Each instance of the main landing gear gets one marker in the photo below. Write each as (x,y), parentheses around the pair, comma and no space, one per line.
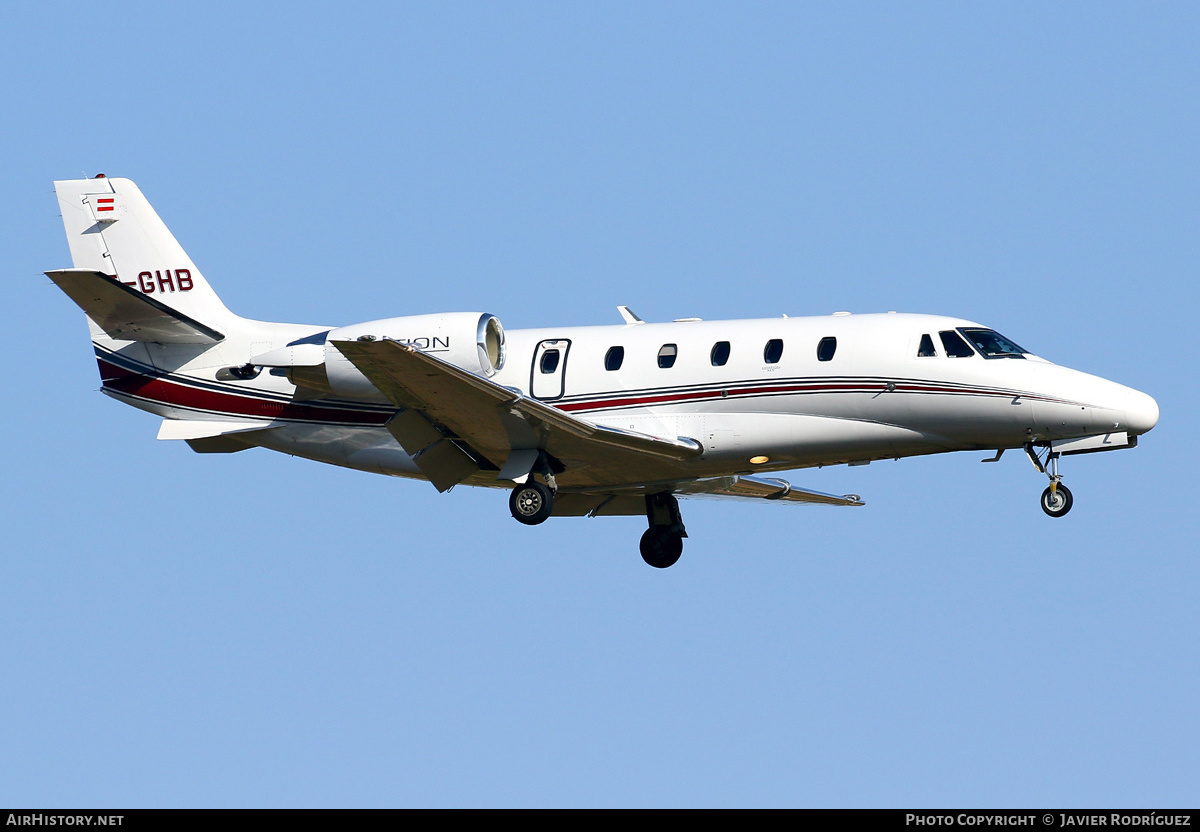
(662,543)
(532,502)
(1056,499)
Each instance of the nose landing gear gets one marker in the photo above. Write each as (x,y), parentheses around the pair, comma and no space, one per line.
(1056,499)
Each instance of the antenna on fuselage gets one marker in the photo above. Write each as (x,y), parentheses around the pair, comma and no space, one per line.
(628,315)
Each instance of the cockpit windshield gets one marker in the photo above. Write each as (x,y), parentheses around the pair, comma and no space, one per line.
(992,344)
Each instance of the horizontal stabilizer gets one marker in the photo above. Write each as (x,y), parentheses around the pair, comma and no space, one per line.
(126,314)
(213,437)
(199,429)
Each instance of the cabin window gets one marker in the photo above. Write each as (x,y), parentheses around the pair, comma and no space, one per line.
(926,349)
(720,353)
(549,362)
(613,358)
(666,355)
(992,344)
(826,349)
(954,345)
(773,351)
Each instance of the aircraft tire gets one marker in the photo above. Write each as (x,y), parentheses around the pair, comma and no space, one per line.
(1058,503)
(660,549)
(531,503)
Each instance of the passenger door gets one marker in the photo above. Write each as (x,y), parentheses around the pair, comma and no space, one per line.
(548,374)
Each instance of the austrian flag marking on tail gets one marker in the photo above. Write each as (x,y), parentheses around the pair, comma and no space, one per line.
(104,208)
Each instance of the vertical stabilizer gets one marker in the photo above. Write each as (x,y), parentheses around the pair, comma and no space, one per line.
(111,228)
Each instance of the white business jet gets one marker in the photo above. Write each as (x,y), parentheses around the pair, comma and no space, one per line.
(598,420)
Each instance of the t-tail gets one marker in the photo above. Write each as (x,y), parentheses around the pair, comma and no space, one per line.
(163,340)
(130,275)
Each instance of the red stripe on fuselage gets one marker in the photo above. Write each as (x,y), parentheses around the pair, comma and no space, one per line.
(668,398)
(849,387)
(164,391)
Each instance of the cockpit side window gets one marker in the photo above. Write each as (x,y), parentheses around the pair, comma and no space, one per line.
(926,349)
(992,344)
(954,345)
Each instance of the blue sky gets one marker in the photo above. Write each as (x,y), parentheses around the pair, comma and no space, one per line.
(257,630)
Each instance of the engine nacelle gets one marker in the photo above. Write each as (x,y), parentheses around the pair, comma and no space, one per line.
(473,341)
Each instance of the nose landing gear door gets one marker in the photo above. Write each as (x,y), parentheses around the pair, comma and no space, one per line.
(549,368)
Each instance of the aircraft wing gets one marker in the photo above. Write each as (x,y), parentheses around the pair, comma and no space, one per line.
(126,314)
(631,501)
(457,424)
(763,488)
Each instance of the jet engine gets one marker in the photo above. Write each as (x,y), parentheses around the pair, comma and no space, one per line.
(473,341)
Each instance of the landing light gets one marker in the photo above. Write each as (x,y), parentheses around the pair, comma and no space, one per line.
(759,460)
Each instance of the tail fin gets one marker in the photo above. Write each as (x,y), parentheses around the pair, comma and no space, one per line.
(111,228)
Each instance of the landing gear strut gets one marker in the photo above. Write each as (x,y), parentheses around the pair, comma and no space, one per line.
(662,543)
(1056,499)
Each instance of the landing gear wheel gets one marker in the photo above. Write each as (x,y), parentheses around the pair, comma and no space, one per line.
(1058,502)
(660,548)
(531,503)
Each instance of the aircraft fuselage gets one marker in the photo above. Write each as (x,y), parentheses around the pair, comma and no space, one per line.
(875,397)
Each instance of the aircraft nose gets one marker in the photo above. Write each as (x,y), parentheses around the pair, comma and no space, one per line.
(1141,412)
